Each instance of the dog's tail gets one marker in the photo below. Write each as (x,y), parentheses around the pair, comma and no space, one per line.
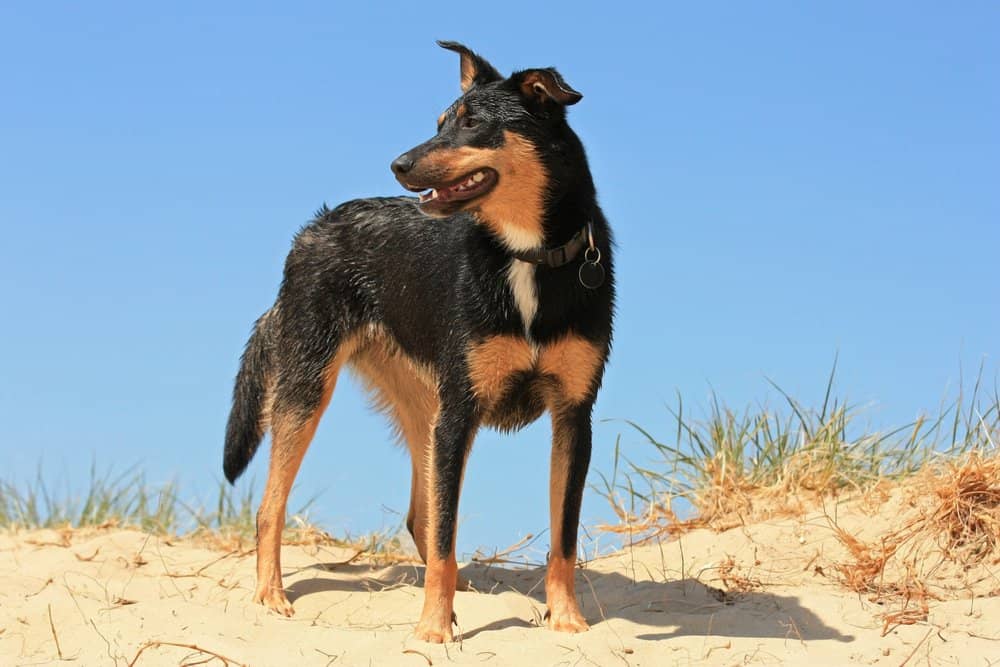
(247,420)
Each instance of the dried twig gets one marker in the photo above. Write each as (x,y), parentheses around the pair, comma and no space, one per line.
(47,582)
(87,559)
(52,626)
(422,655)
(193,647)
(917,647)
(500,556)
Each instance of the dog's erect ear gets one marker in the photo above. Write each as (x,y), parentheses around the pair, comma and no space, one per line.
(475,70)
(544,86)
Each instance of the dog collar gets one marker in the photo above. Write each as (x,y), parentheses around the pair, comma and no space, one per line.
(562,255)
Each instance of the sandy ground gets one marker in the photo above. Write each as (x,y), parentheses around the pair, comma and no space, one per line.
(761,594)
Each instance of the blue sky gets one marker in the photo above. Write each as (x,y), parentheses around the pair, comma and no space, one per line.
(785,181)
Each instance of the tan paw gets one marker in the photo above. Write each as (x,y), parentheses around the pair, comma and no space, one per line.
(569,620)
(435,633)
(434,630)
(274,599)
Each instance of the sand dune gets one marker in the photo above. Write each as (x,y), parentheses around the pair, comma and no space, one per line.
(760,594)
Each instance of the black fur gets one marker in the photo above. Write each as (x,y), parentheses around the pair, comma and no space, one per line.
(245,429)
(437,285)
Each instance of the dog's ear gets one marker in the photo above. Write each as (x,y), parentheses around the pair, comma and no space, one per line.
(545,86)
(475,70)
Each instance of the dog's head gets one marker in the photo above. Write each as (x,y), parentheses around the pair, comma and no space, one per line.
(495,150)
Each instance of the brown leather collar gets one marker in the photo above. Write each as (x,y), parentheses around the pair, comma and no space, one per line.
(555,257)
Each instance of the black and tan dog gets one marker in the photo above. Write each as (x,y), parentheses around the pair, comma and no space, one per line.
(485,301)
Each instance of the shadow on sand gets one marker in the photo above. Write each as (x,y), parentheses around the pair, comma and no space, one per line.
(669,609)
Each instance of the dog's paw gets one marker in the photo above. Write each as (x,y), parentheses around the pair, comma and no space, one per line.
(275,600)
(566,620)
(435,630)
(434,633)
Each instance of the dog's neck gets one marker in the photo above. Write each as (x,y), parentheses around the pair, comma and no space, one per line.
(566,216)
(573,203)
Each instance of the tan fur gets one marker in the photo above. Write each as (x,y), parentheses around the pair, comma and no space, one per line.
(439,598)
(560,590)
(441,575)
(492,362)
(513,209)
(450,164)
(560,596)
(290,438)
(407,393)
(402,388)
(468,73)
(574,361)
(519,197)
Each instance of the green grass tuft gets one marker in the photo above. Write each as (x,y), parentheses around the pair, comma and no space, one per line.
(126,499)
(734,465)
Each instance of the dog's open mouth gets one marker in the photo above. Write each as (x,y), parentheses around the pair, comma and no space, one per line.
(468,187)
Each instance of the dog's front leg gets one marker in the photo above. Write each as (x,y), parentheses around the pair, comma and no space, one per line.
(571,442)
(445,461)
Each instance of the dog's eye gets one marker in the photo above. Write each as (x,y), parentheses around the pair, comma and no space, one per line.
(469,122)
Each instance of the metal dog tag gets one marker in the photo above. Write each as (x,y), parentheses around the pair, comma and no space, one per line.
(591,274)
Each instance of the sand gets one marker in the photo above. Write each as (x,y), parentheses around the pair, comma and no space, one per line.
(757,594)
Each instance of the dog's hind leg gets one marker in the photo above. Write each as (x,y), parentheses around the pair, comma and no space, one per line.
(301,393)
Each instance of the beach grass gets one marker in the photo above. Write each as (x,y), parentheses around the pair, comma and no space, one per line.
(733,465)
(725,469)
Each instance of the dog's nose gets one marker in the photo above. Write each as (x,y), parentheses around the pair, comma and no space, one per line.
(402,164)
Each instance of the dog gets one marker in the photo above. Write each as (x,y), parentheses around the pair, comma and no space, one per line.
(484,301)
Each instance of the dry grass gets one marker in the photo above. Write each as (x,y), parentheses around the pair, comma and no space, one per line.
(946,541)
(931,488)
(965,508)
(737,467)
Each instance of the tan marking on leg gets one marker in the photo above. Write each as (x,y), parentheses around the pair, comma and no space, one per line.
(405,391)
(416,516)
(441,576)
(575,362)
(439,598)
(493,361)
(290,438)
(560,592)
(399,386)
(560,596)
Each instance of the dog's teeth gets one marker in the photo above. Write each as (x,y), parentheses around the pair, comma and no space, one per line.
(478,176)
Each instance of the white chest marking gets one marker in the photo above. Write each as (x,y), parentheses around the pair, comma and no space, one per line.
(521,278)
(517,238)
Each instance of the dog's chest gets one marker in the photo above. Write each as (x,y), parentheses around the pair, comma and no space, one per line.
(524,289)
(514,378)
